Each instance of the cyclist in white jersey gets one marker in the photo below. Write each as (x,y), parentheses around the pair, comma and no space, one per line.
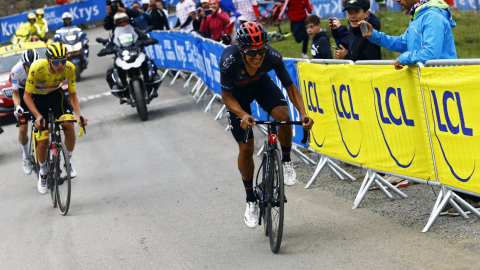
(19,76)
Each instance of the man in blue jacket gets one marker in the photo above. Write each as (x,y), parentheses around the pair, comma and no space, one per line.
(429,34)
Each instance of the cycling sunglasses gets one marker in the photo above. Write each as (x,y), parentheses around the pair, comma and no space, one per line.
(253,52)
(122,22)
(56,62)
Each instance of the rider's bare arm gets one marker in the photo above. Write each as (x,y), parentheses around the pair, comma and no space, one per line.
(296,98)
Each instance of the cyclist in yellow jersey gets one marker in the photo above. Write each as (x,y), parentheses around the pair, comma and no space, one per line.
(43,91)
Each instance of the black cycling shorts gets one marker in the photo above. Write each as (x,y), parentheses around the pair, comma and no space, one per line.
(55,100)
(268,96)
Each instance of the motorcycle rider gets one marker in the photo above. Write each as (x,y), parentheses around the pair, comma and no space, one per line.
(35,29)
(122,22)
(67,24)
(67,19)
(41,21)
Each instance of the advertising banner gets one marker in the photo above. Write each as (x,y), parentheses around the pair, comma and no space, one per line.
(369,116)
(328,8)
(82,12)
(451,97)
(174,50)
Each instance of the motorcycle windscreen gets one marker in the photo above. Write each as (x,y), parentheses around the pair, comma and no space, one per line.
(125,36)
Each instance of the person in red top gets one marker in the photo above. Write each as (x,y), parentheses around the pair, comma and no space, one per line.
(215,23)
(62,2)
(297,15)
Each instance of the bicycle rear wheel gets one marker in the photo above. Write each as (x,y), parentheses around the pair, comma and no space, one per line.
(62,179)
(276,200)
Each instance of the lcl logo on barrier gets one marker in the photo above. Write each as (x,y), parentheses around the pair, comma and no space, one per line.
(453,129)
(397,92)
(308,96)
(346,114)
(343,113)
(391,118)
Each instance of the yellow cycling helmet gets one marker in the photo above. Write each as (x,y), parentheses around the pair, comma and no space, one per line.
(40,11)
(31,16)
(56,51)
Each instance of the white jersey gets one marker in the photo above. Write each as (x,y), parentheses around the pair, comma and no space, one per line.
(19,76)
(245,7)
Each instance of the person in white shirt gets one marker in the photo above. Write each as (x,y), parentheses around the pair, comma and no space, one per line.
(185,12)
(248,9)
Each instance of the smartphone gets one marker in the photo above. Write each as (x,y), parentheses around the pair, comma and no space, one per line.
(207,11)
(335,48)
(364,28)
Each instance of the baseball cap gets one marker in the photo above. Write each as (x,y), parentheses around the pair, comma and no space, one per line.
(357,4)
(203,1)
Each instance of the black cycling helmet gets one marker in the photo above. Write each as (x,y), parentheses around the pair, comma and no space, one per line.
(29,56)
(251,34)
(56,51)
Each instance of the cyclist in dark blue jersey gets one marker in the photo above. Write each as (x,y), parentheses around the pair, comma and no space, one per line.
(244,67)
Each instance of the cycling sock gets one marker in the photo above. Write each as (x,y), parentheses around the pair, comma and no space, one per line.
(286,153)
(25,150)
(43,168)
(249,190)
(69,153)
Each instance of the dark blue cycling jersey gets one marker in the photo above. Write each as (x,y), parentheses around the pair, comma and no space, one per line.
(234,74)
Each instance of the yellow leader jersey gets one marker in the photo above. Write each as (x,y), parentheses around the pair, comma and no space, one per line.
(41,82)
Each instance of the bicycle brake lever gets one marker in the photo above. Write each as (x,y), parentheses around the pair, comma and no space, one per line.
(245,138)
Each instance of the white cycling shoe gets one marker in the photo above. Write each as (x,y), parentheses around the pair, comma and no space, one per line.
(289,174)
(73,173)
(27,166)
(42,183)
(251,214)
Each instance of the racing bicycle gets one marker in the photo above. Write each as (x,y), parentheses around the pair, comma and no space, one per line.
(32,143)
(58,166)
(270,190)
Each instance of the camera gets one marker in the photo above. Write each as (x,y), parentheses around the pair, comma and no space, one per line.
(113,6)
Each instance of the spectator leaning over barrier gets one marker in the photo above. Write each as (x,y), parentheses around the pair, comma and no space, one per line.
(341,33)
(113,7)
(185,12)
(143,20)
(215,23)
(159,18)
(248,9)
(360,48)
(320,40)
(297,15)
(428,36)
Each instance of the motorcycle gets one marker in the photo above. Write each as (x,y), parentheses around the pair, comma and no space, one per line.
(129,57)
(76,43)
(23,34)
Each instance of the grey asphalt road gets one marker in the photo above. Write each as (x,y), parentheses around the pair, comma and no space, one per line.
(166,194)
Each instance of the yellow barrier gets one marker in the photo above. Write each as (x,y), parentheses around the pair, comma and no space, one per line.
(369,115)
(452,98)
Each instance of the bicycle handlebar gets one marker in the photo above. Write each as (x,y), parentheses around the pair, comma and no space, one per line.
(19,118)
(306,132)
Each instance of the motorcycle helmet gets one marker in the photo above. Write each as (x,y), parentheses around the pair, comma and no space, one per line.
(56,51)
(31,17)
(145,2)
(40,12)
(67,15)
(251,34)
(119,16)
(29,56)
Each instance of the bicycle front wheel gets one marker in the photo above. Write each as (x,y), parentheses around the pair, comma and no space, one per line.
(51,181)
(62,179)
(276,200)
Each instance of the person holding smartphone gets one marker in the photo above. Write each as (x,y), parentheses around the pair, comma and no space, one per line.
(358,47)
(215,23)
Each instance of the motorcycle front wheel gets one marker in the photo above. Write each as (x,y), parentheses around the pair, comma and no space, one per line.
(140,100)
(78,71)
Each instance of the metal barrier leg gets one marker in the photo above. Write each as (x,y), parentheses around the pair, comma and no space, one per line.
(187,83)
(321,164)
(165,73)
(260,151)
(198,91)
(200,97)
(302,156)
(175,78)
(345,173)
(195,86)
(363,190)
(436,211)
(183,74)
(390,186)
(335,171)
(220,113)
(210,104)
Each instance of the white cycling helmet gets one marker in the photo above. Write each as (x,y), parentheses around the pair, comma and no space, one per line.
(67,15)
(145,2)
(29,56)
